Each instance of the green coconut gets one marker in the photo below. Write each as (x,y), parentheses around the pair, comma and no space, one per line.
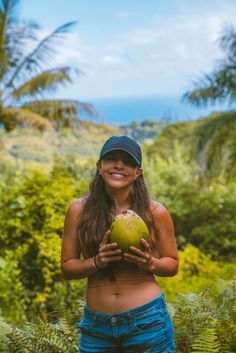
(127,229)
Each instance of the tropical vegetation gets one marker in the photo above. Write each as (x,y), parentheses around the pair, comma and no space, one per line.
(203,322)
(216,136)
(188,166)
(219,85)
(27,80)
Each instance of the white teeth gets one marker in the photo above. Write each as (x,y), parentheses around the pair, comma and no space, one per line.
(118,175)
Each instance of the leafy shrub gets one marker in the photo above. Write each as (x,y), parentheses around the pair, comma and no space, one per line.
(203,214)
(203,322)
(31,227)
(197,272)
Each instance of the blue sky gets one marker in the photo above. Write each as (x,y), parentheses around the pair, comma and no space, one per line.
(134,47)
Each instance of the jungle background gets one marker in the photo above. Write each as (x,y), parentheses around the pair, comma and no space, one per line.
(47,159)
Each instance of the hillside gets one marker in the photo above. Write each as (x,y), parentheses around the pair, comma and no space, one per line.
(34,149)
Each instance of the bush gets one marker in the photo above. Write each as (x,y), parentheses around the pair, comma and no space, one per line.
(31,228)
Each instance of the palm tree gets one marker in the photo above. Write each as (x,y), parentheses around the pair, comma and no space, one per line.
(24,78)
(220,85)
(216,137)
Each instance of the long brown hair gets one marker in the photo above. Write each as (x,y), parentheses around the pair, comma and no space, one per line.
(99,211)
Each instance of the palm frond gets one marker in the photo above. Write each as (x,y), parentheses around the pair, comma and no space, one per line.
(10,117)
(219,85)
(20,38)
(87,108)
(46,81)
(228,41)
(8,10)
(215,147)
(62,112)
(42,53)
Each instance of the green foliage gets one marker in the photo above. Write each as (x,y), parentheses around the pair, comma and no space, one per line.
(205,322)
(40,336)
(197,271)
(207,340)
(203,213)
(33,206)
(216,148)
(25,78)
(47,149)
(144,130)
(208,141)
(220,84)
(31,221)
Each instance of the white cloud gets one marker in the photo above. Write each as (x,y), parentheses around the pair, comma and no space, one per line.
(163,55)
(111,60)
(142,36)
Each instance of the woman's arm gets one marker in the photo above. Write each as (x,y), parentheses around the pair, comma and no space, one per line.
(166,265)
(72,267)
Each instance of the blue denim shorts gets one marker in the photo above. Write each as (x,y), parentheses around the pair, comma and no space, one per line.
(145,329)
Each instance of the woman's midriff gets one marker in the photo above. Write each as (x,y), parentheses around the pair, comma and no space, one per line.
(131,288)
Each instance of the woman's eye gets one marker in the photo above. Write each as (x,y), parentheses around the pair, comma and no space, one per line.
(129,162)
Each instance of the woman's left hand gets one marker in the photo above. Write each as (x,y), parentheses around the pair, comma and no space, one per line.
(142,258)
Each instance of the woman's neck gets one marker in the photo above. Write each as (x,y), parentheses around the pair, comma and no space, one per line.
(121,197)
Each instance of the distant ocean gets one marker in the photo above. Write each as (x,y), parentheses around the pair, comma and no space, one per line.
(122,111)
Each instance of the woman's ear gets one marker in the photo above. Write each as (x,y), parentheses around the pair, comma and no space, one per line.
(139,172)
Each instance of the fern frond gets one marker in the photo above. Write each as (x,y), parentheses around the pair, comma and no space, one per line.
(207,341)
(49,337)
(19,341)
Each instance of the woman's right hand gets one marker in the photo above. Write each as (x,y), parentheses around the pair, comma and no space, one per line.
(107,252)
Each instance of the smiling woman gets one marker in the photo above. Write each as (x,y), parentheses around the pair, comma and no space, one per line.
(119,170)
(125,306)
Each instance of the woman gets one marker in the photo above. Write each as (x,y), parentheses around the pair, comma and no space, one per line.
(125,309)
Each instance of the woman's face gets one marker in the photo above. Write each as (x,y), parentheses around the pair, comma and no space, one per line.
(118,169)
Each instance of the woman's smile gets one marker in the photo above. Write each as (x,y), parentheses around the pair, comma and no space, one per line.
(118,175)
(118,170)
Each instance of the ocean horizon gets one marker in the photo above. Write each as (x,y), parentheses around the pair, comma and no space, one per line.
(123,110)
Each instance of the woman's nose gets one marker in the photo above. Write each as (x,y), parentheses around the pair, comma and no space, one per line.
(119,163)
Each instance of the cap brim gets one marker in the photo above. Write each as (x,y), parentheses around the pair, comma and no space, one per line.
(122,149)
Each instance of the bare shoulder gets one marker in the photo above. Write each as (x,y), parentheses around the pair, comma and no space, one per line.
(70,245)
(158,210)
(76,206)
(75,209)
(163,224)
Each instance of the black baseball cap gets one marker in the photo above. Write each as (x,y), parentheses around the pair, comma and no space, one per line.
(123,143)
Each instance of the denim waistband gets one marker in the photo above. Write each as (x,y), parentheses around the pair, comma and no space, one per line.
(141,311)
